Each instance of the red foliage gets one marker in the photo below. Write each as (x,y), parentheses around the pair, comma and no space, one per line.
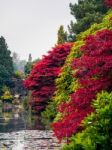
(108,3)
(41,81)
(94,73)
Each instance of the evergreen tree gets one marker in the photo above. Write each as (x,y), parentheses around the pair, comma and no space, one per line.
(62,35)
(6,64)
(30,58)
(28,68)
(86,12)
(16,60)
(29,65)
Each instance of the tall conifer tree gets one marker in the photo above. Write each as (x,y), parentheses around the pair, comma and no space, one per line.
(85,13)
(6,63)
(62,35)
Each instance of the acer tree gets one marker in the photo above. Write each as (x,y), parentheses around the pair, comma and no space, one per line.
(108,3)
(93,73)
(41,80)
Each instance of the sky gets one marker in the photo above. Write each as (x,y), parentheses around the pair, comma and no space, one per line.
(30,26)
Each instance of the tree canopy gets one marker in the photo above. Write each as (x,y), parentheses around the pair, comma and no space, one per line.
(6,63)
(86,12)
(62,35)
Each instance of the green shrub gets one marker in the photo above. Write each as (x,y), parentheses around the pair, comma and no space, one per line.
(49,114)
(7,96)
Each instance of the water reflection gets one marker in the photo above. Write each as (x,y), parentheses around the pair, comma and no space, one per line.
(29,140)
(19,145)
(20,130)
(14,118)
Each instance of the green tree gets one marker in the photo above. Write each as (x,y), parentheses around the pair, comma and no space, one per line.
(6,64)
(16,60)
(30,58)
(28,68)
(17,63)
(29,65)
(85,12)
(62,35)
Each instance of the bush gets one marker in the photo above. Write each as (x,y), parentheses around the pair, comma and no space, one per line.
(97,133)
(93,73)
(7,96)
(66,84)
(41,80)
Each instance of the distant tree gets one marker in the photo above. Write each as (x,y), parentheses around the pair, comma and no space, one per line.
(86,12)
(15,58)
(21,65)
(29,65)
(18,87)
(17,63)
(28,68)
(62,35)
(6,64)
(30,58)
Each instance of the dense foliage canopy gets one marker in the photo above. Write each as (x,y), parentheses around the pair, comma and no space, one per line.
(85,13)
(97,134)
(108,3)
(41,80)
(73,83)
(6,64)
(92,70)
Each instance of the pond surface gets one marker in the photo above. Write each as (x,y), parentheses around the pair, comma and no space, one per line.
(19,132)
(28,140)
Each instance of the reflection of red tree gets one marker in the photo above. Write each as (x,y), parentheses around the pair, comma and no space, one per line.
(93,70)
(41,81)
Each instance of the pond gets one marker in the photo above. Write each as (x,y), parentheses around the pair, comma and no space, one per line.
(19,132)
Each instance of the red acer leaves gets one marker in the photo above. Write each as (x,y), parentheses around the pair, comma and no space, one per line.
(70,123)
(93,70)
(41,80)
(108,3)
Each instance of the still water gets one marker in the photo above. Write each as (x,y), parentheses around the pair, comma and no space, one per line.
(19,132)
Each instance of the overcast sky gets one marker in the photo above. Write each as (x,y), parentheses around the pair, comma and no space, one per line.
(30,26)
